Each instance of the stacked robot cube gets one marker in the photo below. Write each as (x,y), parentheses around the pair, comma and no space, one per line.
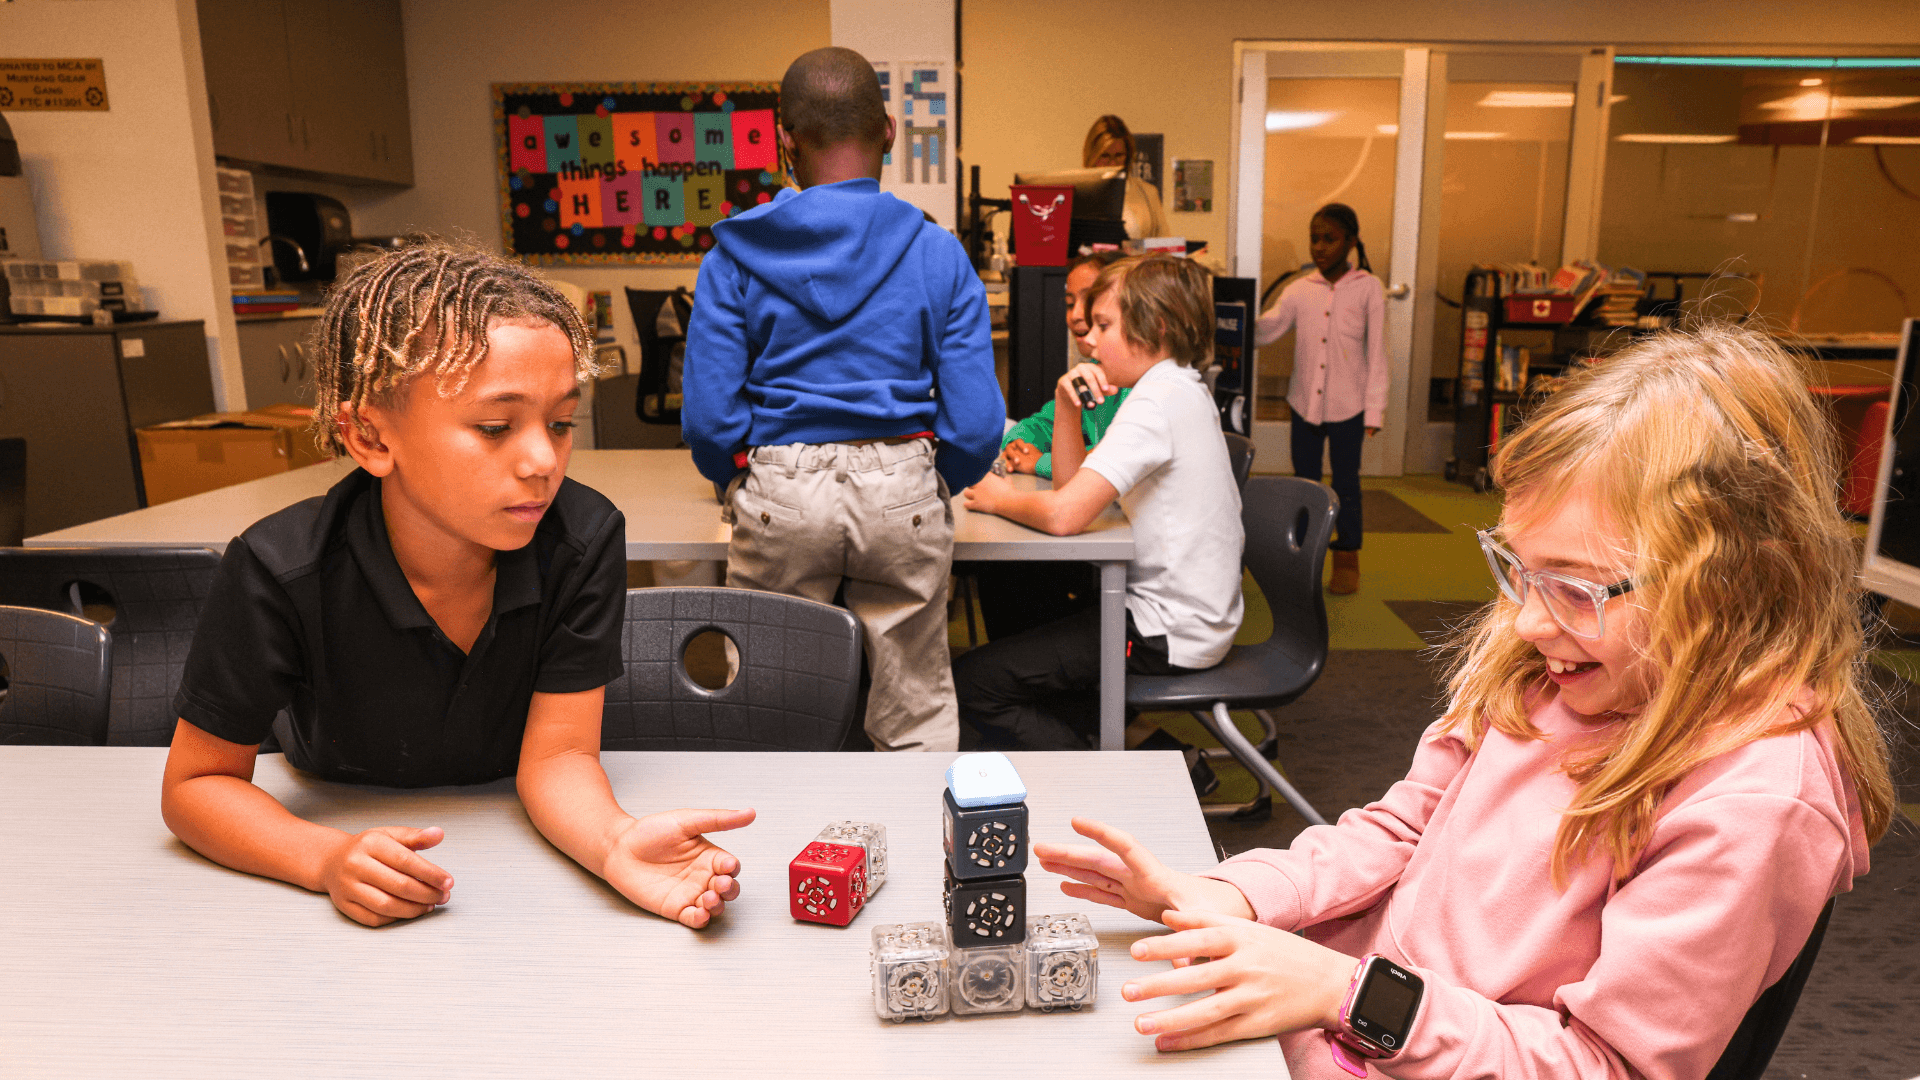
(990,956)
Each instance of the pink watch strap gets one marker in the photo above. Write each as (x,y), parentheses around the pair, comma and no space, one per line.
(1346,1058)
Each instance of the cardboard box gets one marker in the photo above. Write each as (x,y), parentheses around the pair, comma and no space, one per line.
(187,457)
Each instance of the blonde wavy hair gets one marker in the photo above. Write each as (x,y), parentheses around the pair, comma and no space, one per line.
(1711,460)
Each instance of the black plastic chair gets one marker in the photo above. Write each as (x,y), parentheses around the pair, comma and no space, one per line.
(13,492)
(1754,1042)
(149,599)
(796,688)
(56,686)
(1240,456)
(1288,522)
(656,349)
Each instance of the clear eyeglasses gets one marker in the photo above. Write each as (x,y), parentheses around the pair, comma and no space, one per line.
(1578,605)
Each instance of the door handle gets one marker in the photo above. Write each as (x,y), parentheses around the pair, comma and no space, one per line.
(1400,291)
(286,365)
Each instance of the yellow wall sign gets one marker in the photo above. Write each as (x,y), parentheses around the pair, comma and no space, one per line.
(47,85)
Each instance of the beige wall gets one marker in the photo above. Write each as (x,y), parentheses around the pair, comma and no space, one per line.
(134,182)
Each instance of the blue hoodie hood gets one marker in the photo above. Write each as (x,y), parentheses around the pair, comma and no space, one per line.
(826,249)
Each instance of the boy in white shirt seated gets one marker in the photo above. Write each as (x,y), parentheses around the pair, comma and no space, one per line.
(1166,461)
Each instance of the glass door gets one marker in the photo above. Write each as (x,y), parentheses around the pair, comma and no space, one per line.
(1449,157)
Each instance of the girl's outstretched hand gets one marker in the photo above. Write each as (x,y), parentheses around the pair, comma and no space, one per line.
(664,863)
(1265,981)
(1121,873)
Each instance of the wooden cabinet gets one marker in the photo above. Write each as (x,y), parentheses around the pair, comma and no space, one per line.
(311,86)
(277,361)
(76,394)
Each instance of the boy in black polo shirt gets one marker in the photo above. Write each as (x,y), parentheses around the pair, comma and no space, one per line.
(447,614)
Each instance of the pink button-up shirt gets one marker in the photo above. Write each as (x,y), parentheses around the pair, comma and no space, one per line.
(1340,354)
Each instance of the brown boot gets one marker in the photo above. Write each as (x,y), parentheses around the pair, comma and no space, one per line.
(1346,573)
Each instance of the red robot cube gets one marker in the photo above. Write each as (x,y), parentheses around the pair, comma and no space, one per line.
(827,883)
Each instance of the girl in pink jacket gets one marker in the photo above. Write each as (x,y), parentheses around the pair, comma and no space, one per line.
(1655,768)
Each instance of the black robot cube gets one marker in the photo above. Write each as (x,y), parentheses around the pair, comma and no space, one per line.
(985,841)
(986,911)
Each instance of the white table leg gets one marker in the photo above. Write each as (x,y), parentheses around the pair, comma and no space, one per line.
(1113,655)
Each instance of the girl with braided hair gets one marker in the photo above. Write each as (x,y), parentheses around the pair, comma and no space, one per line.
(449,613)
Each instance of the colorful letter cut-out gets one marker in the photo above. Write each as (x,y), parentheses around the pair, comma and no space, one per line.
(596,140)
(713,139)
(705,194)
(676,136)
(664,201)
(622,200)
(754,146)
(579,203)
(527,140)
(563,142)
(635,140)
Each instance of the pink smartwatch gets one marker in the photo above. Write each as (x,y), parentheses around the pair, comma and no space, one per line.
(1377,1013)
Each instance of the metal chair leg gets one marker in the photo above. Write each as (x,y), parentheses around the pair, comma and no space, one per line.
(1222,727)
(1269,745)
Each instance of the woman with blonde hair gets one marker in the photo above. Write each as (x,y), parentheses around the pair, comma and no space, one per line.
(1656,766)
(1110,145)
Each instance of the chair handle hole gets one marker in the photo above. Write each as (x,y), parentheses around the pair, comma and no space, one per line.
(90,601)
(1297,536)
(711,659)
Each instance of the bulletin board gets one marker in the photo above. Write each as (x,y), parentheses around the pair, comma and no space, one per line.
(630,172)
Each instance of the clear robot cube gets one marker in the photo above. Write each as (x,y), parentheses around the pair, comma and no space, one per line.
(987,980)
(866,836)
(1062,962)
(910,971)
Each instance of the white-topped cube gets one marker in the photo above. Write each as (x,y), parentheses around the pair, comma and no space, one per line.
(985,780)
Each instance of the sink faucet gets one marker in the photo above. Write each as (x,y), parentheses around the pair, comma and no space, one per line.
(299,252)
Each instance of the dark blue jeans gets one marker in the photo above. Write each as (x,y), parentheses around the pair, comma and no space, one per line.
(1343,439)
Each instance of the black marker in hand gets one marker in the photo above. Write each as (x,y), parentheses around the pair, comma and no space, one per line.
(1086,395)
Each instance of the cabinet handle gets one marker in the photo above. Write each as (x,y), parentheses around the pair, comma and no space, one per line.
(301,352)
(285,364)
(289,117)
(384,154)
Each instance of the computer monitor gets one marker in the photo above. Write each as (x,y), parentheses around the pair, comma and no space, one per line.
(1893,538)
(1098,194)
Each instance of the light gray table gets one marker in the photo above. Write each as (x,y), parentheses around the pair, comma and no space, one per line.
(671,514)
(125,953)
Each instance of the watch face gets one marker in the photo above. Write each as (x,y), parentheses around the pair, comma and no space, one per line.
(1385,1007)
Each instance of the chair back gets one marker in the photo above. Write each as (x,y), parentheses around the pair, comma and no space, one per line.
(13,492)
(55,679)
(796,689)
(1754,1042)
(149,599)
(1289,522)
(1240,456)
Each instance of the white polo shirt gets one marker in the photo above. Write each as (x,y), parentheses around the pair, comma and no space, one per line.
(1166,456)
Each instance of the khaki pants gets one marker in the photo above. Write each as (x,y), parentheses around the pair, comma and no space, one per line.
(805,518)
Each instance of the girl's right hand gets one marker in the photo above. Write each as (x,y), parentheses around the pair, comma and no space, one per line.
(1068,395)
(1121,873)
(378,877)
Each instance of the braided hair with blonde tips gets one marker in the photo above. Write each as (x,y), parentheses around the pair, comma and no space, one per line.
(424,310)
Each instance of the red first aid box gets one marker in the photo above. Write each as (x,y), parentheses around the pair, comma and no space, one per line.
(1540,308)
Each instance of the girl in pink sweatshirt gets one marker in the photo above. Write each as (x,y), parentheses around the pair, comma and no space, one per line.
(1655,768)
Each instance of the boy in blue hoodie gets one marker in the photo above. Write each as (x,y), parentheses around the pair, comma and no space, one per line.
(839,381)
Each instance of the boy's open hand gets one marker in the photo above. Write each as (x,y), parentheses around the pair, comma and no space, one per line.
(1095,378)
(1121,873)
(1021,456)
(376,877)
(1264,981)
(663,863)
